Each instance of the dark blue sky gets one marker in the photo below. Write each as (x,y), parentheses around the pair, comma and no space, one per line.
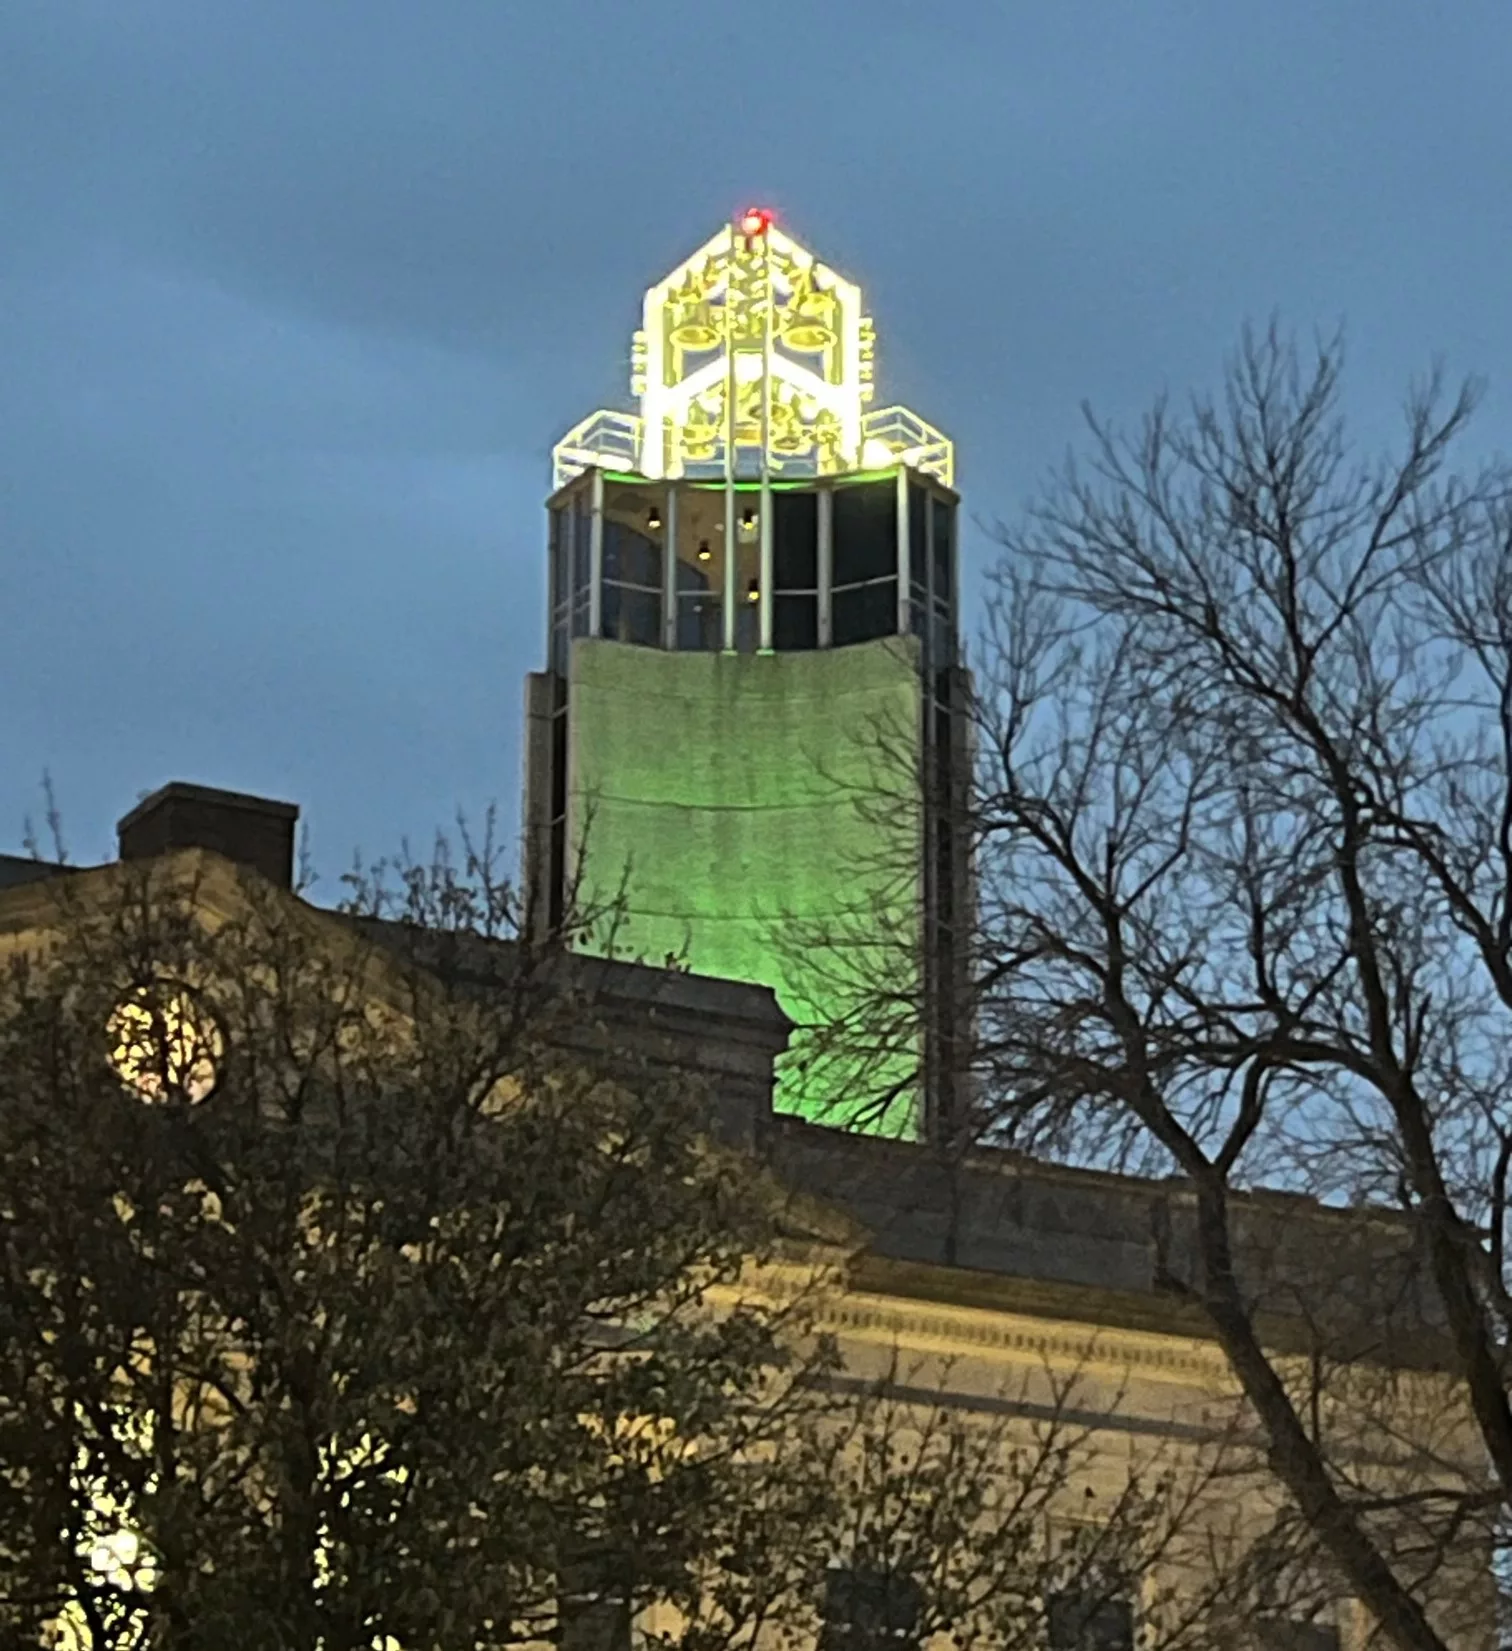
(295,296)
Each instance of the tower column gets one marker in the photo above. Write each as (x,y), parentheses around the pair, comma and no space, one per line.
(764,594)
(732,395)
(825,510)
(905,574)
(764,597)
(596,558)
(731,564)
(669,570)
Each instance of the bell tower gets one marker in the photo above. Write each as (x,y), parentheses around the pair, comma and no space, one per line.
(749,735)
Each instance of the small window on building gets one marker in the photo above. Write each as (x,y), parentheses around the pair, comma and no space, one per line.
(866,1609)
(593,1607)
(561,560)
(795,622)
(864,612)
(1090,1618)
(631,604)
(598,1624)
(864,604)
(941,640)
(1296,1634)
(795,541)
(582,543)
(631,615)
(865,527)
(631,557)
(941,538)
(700,623)
(698,571)
(918,537)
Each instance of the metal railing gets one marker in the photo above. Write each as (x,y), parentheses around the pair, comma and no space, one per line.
(912,441)
(611,440)
(606,439)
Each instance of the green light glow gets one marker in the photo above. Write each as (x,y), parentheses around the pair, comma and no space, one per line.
(633,479)
(720,486)
(756,800)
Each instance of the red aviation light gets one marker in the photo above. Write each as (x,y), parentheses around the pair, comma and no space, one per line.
(755,221)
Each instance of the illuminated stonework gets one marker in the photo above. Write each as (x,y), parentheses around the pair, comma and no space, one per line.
(754,358)
(119,1568)
(162,1043)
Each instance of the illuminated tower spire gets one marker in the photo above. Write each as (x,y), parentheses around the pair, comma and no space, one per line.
(753,603)
(752,331)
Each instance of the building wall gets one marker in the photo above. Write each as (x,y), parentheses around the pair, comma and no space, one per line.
(1011,1288)
(750,804)
(1002,1281)
(1158,1409)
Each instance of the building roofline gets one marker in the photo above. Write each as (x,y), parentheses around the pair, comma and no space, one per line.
(184,791)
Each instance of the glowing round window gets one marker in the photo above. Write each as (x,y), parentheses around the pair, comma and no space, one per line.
(163,1044)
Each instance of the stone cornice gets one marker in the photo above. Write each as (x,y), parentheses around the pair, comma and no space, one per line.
(955,1330)
(851,1297)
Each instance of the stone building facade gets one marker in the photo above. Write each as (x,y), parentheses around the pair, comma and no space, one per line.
(1012,1287)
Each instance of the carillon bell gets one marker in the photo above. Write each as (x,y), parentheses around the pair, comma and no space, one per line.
(808,322)
(700,435)
(788,436)
(695,328)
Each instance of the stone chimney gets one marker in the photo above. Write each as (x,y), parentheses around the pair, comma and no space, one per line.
(253,831)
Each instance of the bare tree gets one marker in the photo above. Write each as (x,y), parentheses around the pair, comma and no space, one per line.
(353,1298)
(1243,845)
(335,1290)
(905,1518)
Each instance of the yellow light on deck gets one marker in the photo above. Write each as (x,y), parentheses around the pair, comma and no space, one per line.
(875,454)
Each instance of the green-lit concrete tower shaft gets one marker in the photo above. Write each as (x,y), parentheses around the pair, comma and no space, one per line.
(750,721)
